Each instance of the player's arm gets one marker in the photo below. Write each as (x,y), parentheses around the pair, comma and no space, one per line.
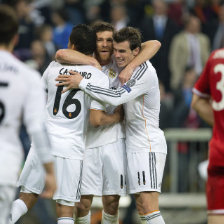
(42,145)
(148,50)
(101,118)
(203,107)
(134,88)
(34,119)
(68,56)
(50,180)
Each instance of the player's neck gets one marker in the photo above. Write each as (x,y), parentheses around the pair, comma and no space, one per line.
(8,47)
(102,62)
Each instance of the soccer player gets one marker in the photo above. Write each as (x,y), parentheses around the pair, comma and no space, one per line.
(208,101)
(145,143)
(17,104)
(67,119)
(102,176)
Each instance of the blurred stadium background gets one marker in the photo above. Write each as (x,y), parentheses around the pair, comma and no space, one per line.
(45,26)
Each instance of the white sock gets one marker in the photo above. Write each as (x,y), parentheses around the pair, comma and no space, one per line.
(84,219)
(65,220)
(19,208)
(109,219)
(152,218)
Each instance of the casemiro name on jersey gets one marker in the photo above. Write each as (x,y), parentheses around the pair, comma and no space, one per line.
(65,71)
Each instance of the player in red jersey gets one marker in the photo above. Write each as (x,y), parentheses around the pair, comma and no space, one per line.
(208,101)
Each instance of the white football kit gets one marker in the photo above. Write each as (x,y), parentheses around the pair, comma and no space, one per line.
(22,99)
(104,167)
(141,99)
(67,119)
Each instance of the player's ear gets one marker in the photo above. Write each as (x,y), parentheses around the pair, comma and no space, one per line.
(136,51)
(73,47)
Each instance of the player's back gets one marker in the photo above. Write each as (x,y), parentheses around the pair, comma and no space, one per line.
(68,113)
(16,80)
(18,86)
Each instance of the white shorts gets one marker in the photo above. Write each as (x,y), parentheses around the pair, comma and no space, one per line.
(7,195)
(104,170)
(68,174)
(145,171)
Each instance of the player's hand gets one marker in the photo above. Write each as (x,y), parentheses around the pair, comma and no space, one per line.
(50,181)
(125,74)
(70,81)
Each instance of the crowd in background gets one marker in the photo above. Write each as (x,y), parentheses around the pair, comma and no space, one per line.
(188,30)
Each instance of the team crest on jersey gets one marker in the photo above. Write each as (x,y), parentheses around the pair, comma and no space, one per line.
(112,73)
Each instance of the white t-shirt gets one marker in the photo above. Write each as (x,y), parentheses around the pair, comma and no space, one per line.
(68,113)
(22,98)
(141,97)
(104,135)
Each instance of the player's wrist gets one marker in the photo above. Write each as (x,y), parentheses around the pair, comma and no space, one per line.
(131,66)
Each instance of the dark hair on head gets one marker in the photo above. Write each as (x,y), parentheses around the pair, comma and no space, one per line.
(130,34)
(84,39)
(8,24)
(101,26)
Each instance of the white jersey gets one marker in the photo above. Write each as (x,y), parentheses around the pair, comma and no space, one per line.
(22,98)
(141,96)
(68,113)
(108,134)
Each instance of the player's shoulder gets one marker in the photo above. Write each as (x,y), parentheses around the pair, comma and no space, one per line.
(146,68)
(53,64)
(146,65)
(26,72)
(95,72)
(96,77)
(217,54)
(15,65)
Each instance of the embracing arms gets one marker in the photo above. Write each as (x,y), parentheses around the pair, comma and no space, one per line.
(101,118)
(148,50)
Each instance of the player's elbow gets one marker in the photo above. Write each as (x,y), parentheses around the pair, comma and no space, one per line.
(194,102)
(95,121)
(60,55)
(157,44)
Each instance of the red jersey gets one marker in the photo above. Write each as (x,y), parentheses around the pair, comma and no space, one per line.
(211,84)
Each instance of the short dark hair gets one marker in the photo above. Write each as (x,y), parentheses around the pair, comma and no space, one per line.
(8,24)
(101,26)
(84,39)
(130,34)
